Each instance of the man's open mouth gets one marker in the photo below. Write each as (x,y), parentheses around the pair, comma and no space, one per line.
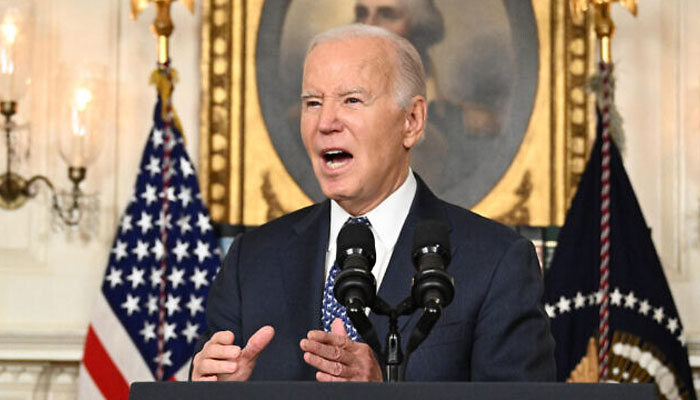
(336,158)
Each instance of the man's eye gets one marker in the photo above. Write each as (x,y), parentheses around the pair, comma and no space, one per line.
(313,103)
(352,100)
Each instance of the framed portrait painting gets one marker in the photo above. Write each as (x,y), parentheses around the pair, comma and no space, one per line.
(509,121)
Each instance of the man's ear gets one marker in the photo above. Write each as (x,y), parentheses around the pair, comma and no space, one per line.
(414,122)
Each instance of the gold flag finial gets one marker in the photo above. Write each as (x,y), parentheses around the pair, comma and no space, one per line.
(604,26)
(162,25)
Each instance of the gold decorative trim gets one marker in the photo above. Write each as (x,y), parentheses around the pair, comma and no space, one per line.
(274,207)
(519,214)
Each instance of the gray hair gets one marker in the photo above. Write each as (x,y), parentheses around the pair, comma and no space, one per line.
(409,80)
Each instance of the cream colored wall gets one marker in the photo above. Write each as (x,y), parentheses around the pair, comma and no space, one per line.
(48,281)
(657,58)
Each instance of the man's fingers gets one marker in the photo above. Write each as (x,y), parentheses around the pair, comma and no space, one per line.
(221,352)
(330,367)
(332,353)
(324,377)
(332,339)
(222,337)
(258,342)
(209,378)
(338,327)
(210,366)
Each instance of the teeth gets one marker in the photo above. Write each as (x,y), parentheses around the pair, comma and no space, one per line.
(333,152)
(335,164)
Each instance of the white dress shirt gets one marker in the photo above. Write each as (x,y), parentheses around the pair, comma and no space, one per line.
(386,221)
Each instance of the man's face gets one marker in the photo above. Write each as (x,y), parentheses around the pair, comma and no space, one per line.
(391,15)
(356,135)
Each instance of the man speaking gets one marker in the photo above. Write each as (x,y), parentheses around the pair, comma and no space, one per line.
(363,109)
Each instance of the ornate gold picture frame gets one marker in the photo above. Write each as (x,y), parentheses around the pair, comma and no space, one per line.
(243,175)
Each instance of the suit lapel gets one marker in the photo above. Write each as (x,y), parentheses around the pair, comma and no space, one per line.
(303,268)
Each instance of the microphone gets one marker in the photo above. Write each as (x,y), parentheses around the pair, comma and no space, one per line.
(355,286)
(432,286)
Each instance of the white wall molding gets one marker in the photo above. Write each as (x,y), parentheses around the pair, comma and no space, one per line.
(42,346)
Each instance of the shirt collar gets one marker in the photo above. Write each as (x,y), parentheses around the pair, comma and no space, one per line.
(386,219)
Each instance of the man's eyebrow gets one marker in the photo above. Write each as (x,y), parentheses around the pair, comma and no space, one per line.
(307,95)
(353,91)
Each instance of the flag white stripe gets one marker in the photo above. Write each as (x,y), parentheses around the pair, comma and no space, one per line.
(87,390)
(118,344)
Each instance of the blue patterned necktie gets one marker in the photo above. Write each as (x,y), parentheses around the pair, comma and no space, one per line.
(331,308)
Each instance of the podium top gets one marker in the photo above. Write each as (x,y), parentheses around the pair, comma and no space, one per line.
(389,391)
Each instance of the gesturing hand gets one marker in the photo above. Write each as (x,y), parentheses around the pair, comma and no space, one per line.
(337,358)
(220,360)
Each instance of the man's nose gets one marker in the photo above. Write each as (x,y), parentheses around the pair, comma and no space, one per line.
(329,121)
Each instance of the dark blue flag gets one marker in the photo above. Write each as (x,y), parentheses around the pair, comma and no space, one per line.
(150,311)
(646,334)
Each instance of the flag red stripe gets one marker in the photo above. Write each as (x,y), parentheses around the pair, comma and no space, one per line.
(102,369)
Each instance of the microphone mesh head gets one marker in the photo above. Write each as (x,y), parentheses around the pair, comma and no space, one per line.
(430,233)
(356,235)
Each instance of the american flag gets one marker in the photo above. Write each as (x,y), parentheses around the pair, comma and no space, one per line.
(150,311)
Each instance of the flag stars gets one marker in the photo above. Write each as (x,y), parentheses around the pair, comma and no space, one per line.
(156,276)
(644,307)
(164,359)
(131,305)
(180,250)
(148,332)
(114,278)
(158,249)
(659,314)
(184,224)
(157,138)
(630,300)
(169,331)
(190,332)
(125,226)
(152,304)
(176,277)
(199,278)
(136,277)
(185,196)
(186,167)
(140,250)
(150,194)
(172,304)
(564,305)
(681,338)
(169,194)
(153,166)
(202,251)
(145,222)
(119,250)
(203,222)
(551,310)
(616,297)
(579,301)
(672,325)
(195,305)
(168,218)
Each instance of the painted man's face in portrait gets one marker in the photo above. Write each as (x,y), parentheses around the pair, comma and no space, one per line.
(391,15)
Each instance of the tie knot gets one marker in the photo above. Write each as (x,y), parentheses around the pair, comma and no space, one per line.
(358,220)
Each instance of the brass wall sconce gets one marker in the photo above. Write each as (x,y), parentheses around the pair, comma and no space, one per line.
(78,140)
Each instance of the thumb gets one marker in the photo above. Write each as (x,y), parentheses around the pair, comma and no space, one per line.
(258,342)
(338,327)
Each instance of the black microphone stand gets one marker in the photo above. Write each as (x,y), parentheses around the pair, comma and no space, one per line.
(392,356)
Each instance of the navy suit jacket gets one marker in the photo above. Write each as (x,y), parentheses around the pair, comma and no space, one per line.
(494,330)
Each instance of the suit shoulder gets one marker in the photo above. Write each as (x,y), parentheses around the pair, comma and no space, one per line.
(478,229)
(282,226)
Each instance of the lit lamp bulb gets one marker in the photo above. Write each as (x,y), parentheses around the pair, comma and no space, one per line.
(80,141)
(13,66)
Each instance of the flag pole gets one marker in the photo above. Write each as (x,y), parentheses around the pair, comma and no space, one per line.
(605,29)
(162,26)
(164,78)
